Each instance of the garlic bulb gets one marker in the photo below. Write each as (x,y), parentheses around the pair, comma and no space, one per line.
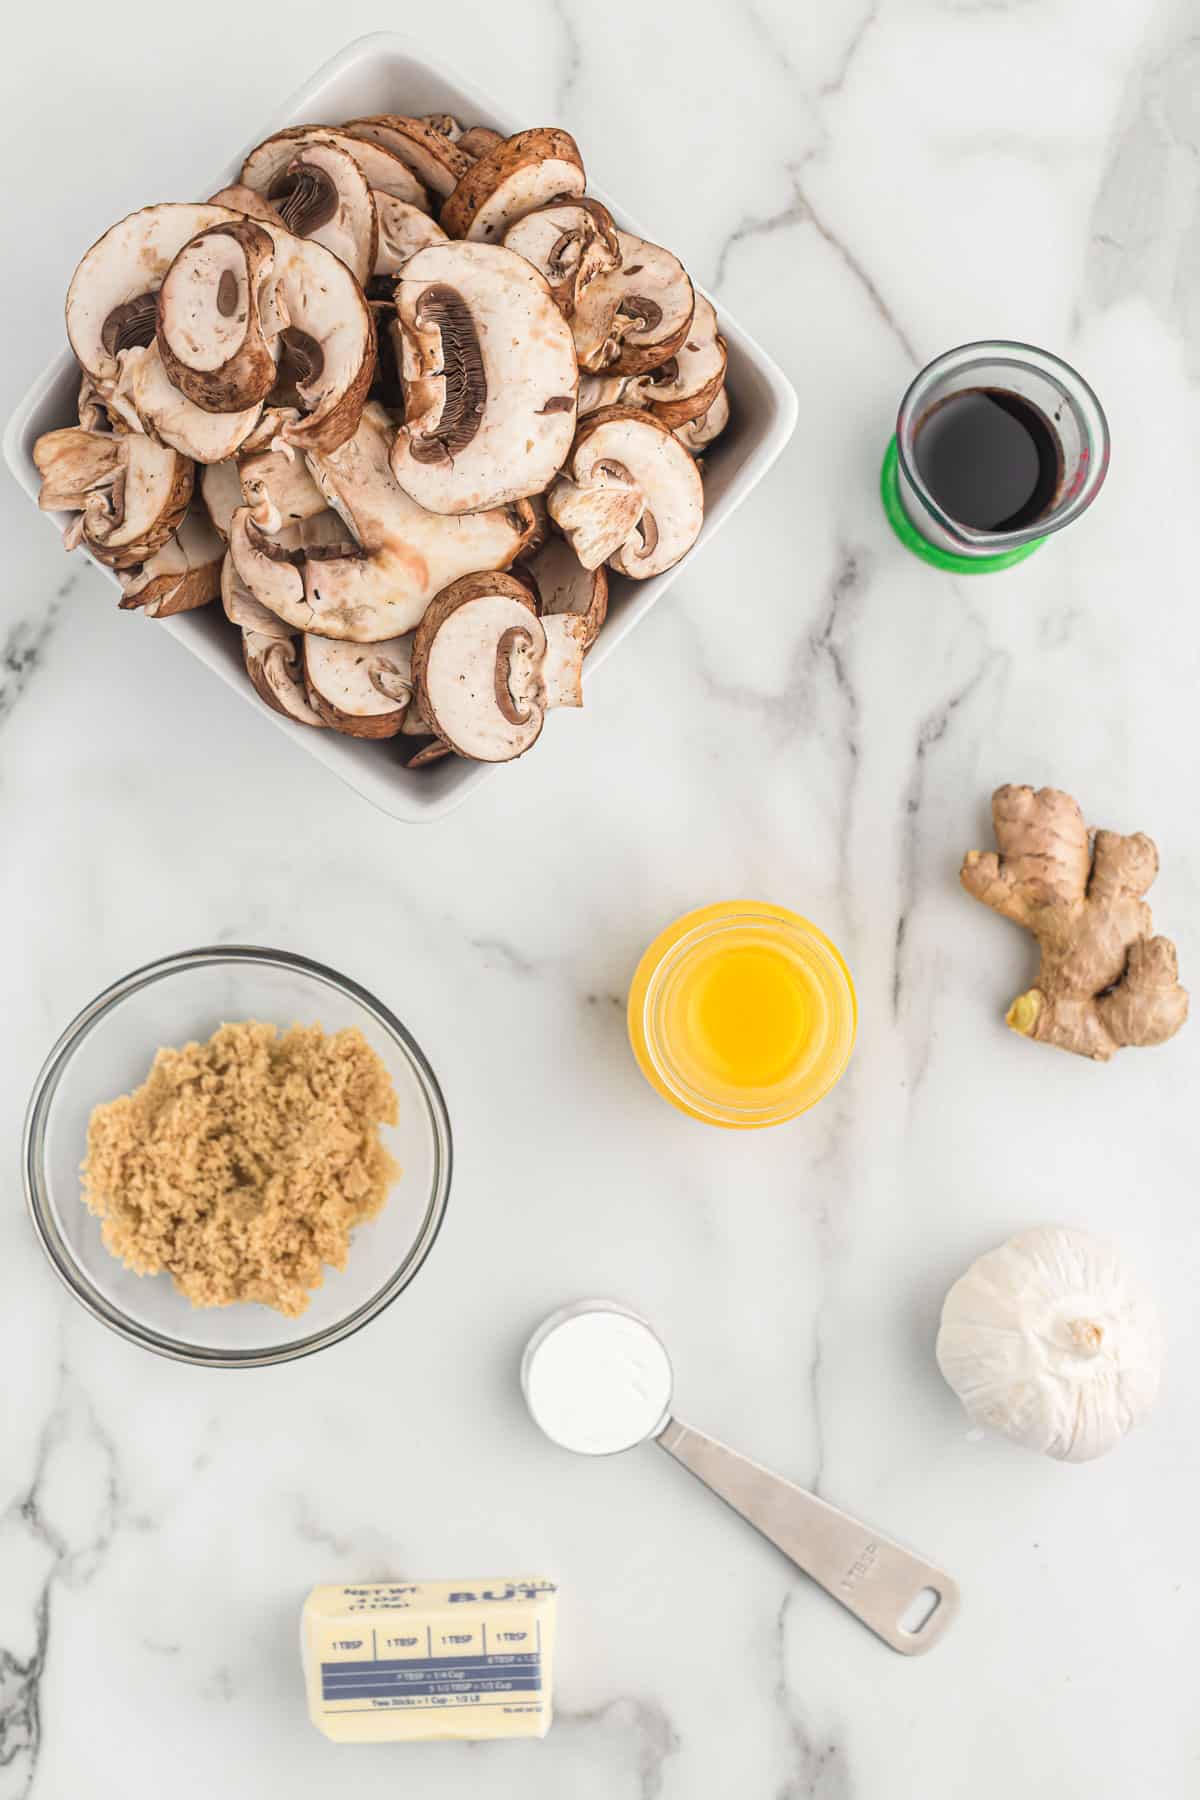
(1049,1340)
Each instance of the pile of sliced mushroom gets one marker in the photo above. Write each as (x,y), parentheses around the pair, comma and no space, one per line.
(401,396)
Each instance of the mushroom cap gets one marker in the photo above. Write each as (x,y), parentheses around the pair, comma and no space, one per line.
(698,433)
(430,153)
(245,200)
(362,690)
(489,376)
(385,173)
(617,452)
(322,195)
(183,574)
(146,398)
(568,244)
(210,337)
(488,668)
(513,178)
(132,493)
(562,585)
(221,492)
(685,386)
(109,301)
(329,339)
(403,230)
(633,318)
(379,586)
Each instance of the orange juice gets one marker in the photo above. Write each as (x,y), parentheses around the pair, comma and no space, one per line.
(742,1014)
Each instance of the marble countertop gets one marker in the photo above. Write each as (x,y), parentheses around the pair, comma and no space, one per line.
(810,715)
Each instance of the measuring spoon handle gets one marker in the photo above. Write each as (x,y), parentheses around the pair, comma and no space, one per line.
(872,1577)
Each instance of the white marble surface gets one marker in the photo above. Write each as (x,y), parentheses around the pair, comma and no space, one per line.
(810,716)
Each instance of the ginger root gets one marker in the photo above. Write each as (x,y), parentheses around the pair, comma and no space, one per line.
(1104,981)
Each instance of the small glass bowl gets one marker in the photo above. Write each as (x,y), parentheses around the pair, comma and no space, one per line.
(662,1023)
(108,1050)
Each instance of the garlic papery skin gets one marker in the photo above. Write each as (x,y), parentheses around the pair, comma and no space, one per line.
(1050,1340)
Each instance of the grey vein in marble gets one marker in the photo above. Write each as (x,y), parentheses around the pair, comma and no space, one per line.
(819,1771)
(655,1738)
(21,650)
(930,733)
(572,59)
(801,211)
(71,1557)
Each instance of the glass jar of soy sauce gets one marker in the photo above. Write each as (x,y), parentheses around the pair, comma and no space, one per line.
(997,445)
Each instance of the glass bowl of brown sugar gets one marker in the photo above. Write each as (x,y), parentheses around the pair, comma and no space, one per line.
(108,1051)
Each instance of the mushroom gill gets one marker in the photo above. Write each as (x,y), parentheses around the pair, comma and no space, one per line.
(304,197)
(130,325)
(443,309)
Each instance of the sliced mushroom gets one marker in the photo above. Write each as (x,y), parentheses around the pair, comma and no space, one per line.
(685,386)
(432,155)
(561,584)
(111,302)
(243,610)
(487,669)
(184,574)
(489,377)
(210,335)
(270,651)
(361,690)
(541,526)
(275,666)
(596,391)
(622,455)
(513,178)
(633,318)
(322,194)
(93,414)
(479,140)
(380,585)
(698,433)
(446,123)
(597,518)
(328,344)
(146,398)
(279,490)
(131,493)
(221,492)
(268,433)
(430,753)
(245,200)
(385,173)
(415,723)
(569,245)
(403,230)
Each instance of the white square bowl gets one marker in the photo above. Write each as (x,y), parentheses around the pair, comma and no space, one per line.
(384,73)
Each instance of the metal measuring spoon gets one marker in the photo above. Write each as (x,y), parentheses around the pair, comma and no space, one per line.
(597,1379)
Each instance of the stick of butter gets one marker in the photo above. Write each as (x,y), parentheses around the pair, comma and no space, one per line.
(401,1661)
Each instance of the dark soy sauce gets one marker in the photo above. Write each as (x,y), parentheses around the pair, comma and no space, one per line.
(989,458)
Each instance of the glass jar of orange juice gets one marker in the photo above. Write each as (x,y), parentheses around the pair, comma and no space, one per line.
(742,1014)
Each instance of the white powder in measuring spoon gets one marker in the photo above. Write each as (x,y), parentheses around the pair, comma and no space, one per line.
(597,1382)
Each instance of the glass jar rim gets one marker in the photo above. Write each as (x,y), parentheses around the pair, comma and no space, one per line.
(702,926)
(1060,375)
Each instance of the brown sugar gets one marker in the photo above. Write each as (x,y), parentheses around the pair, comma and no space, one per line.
(241,1166)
